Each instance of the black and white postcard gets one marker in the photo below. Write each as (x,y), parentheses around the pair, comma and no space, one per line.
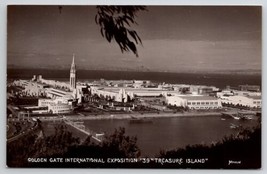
(173,87)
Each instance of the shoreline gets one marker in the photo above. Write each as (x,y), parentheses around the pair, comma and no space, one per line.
(133,116)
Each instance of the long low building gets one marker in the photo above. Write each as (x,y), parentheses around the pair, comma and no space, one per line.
(52,93)
(194,101)
(118,94)
(248,101)
(57,106)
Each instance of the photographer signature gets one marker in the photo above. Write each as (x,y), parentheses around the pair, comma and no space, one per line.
(233,162)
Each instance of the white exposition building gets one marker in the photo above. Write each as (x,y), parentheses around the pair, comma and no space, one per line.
(56,106)
(123,94)
(248,101)
(61,101)
(241,98)
(194,101)
(62,95)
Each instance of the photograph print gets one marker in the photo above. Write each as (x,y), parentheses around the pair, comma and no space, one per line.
(175,87)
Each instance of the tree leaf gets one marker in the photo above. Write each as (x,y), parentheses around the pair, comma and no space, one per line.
(112,21)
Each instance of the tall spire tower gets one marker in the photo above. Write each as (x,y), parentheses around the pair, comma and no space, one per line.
(73,74)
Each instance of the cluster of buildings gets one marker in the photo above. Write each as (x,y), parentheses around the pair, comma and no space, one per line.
(191,96)
(251,99)
(53,96)
(61,97)
(213,98)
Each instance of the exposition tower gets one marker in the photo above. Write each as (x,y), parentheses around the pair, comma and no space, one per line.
(73,74)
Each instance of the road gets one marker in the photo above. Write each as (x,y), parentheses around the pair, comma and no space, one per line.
(23,132)
(13,110)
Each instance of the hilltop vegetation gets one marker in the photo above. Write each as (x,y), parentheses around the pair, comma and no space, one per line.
(244,147)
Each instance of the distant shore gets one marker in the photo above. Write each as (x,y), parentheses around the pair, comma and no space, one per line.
(132,116)
(219,80)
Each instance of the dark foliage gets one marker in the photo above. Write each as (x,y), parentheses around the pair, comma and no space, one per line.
(18,151)
(115,23)
(62,144)
(119,142)
(36,144)
(244,147)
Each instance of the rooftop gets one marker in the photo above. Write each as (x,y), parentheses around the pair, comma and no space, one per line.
(198,97)
(255,97)
(110,89)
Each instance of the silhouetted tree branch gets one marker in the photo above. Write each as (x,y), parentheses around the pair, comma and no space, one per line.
(115,23)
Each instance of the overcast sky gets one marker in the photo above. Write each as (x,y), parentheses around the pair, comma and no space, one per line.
(176,39)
